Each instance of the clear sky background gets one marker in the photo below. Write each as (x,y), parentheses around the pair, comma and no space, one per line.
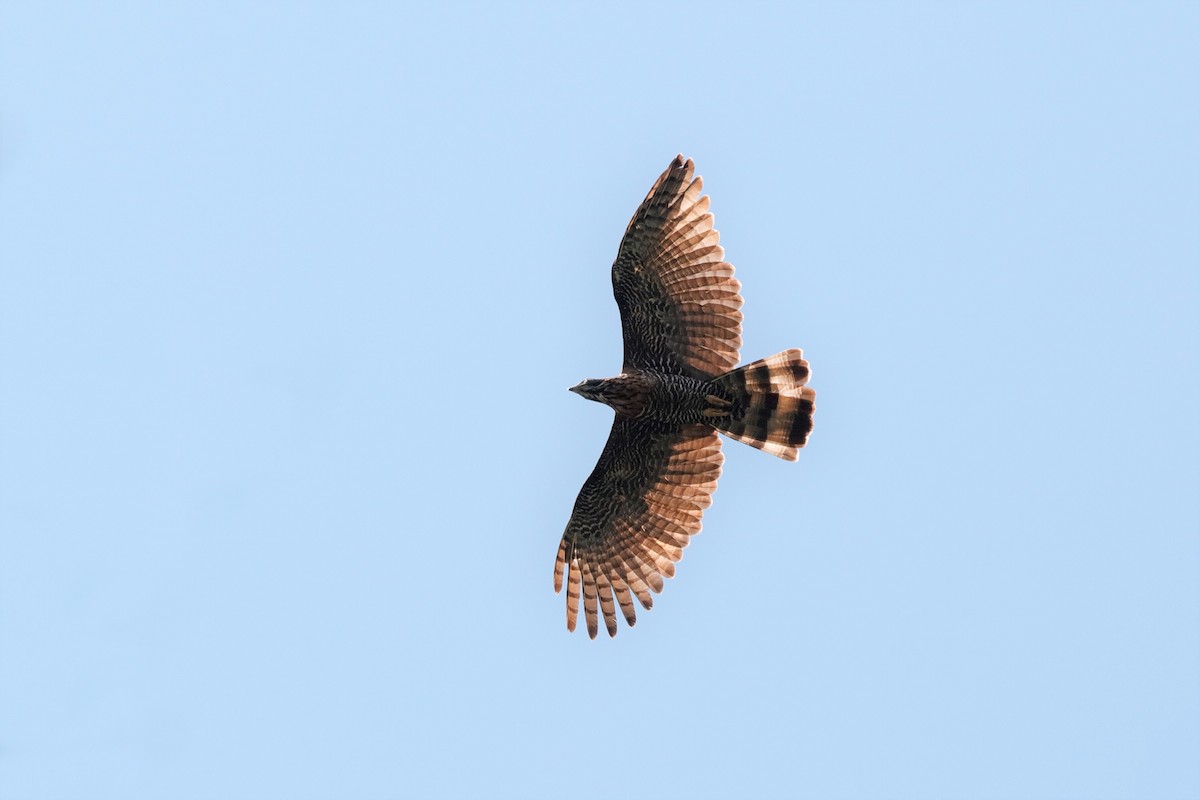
(290,298)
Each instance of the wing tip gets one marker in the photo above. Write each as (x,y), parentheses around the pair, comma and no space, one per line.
(682,162)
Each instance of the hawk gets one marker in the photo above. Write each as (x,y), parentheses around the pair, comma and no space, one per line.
(680,384)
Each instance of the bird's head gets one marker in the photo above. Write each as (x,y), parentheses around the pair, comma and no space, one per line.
(626,394)
(592,389)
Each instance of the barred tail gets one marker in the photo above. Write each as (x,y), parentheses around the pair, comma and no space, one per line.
(773,409)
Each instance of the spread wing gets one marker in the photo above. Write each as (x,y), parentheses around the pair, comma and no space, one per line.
(634,516)
(680,304)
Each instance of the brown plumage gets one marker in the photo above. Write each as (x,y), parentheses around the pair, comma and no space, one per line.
(682,323)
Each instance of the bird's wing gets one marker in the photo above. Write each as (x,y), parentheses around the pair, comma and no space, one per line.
(634,516)
(680,304)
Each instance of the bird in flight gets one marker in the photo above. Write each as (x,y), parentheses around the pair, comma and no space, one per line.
(682,324)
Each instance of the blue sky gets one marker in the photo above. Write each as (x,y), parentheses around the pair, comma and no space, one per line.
(290,298)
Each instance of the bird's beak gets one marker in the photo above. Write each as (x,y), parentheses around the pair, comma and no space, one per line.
(575,388)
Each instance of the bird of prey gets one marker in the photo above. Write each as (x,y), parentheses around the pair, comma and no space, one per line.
(682,322)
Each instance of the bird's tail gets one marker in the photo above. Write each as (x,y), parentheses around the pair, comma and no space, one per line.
(772,408)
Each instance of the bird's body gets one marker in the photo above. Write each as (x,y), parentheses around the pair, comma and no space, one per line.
(681,320)
(659,396)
